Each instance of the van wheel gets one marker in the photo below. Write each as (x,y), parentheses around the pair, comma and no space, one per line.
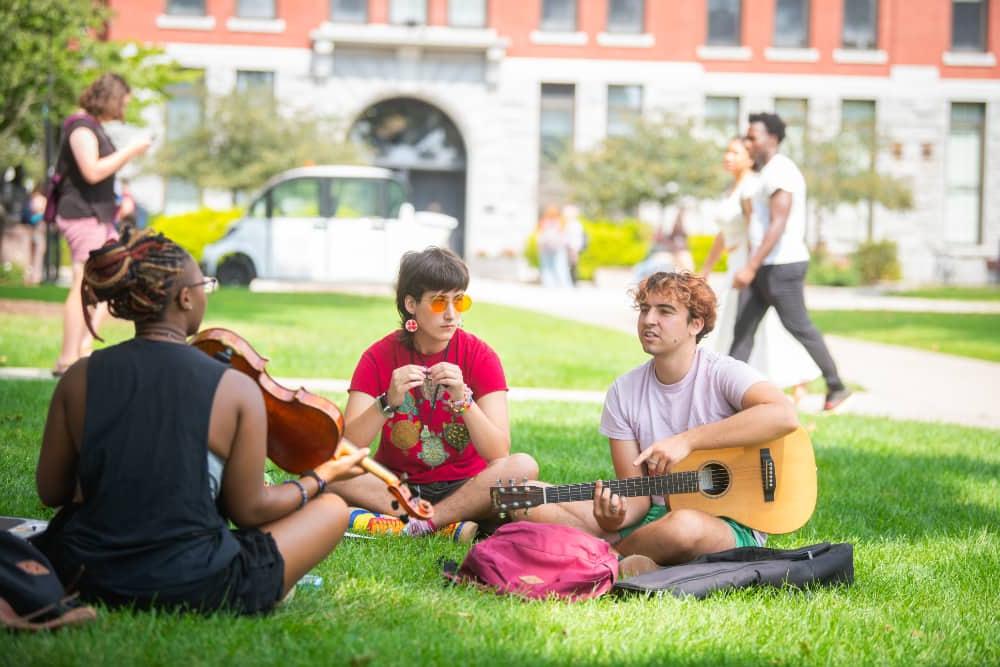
(236,270)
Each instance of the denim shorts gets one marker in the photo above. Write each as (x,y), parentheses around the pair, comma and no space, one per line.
(745,537)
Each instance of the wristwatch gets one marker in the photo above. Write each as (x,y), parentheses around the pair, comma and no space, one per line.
(383,405)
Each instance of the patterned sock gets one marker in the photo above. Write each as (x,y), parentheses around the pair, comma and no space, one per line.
(417,527)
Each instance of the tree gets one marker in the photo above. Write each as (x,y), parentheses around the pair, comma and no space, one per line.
(840,171)
(659,161)
(244,139)
(52,48)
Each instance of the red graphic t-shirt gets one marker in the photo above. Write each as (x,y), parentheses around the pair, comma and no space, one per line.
(429,444)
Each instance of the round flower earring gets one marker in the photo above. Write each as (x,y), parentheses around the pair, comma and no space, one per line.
(410,325)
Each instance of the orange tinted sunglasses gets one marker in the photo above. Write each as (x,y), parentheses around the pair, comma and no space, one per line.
(439,303)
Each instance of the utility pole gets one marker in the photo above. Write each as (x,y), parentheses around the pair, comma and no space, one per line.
(52,248)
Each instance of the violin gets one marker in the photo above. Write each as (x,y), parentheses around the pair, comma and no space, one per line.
(303,429)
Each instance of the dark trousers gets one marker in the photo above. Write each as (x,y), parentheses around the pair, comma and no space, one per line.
(781,286)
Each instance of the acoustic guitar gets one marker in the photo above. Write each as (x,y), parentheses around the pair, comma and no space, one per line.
(770,487)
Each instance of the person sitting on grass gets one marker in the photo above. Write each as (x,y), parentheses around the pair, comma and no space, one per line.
(685,398)
(147,440)
(437,396)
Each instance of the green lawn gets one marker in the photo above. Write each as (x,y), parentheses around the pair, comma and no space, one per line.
(983,293)
(323,335)
(968,335)
(921,504)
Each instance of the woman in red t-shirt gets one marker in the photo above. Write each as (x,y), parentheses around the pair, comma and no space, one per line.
(438,396)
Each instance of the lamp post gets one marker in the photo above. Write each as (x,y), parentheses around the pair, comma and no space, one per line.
(52,249)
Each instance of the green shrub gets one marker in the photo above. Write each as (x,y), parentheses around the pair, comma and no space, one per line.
(193,231)
(827,269)
(876,260)
(609,243)
(700,244)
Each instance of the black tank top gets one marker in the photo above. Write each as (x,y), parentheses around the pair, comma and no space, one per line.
(148,522)
(77,197)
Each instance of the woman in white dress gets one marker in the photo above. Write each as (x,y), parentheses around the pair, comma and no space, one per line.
(775,352)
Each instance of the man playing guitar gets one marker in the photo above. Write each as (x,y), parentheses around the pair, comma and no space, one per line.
(684,399)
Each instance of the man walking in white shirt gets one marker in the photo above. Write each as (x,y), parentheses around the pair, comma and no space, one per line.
(775,273)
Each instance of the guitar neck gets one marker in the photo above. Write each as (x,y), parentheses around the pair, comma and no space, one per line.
(664,485)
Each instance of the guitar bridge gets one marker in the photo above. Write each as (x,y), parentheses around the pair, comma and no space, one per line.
(768,474)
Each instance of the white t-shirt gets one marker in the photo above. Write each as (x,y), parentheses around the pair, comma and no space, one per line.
(780,173)
(639,407)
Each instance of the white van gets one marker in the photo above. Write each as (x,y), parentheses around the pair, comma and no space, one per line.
(326,224)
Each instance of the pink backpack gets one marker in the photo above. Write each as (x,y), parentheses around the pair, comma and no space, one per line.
(538,560)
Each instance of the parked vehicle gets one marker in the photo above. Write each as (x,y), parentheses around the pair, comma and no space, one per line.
(326,224)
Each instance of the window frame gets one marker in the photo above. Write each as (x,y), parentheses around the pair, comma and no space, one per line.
(409,22)
(486,15)
(273,15)
(980,127)
(574,23)
(634,113)
(874,5)
(348,18)
(806,25)
(984,16)
(738,40)
(712,126)
(640,29)
(169,11)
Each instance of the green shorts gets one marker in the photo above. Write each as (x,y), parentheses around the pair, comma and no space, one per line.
(745,537)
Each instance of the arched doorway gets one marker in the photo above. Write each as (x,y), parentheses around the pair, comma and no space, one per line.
(420,141)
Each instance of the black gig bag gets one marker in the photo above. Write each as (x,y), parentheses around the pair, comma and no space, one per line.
(821,564)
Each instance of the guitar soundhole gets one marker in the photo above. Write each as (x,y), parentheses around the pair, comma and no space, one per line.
(713,479)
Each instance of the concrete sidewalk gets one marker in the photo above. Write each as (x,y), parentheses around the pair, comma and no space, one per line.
(899,382)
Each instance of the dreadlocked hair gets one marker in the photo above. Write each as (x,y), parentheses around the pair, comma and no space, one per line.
(134,275)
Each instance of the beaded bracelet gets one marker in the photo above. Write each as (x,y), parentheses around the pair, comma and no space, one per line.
(458,407)
(302,490)
(319,481)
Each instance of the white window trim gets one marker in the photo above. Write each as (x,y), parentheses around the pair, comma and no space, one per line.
(551,38)
(168,22)
(860,56)
(239,24)
(967,59)
(630,41)
(791,55)
(724,52)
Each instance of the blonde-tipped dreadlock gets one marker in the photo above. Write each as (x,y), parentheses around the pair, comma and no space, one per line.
(134,275)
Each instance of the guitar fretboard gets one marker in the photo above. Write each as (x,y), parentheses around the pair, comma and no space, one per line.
(664,485)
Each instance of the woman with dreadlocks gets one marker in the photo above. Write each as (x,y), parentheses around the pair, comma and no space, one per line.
(150,445)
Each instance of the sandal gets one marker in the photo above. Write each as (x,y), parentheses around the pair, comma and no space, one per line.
(59,370)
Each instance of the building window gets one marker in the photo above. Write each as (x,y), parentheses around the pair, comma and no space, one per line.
(185,7)
(724,23)
(626,16)
(722,117)
(964,173)
(467,13)
(795,113)
(857,131)
(860,24)
(252,81)
(349,11)
(624,109)
(184,108)
(559,15)
(555,138)
(255,9)
(408,12)
(791,24)
(968,25)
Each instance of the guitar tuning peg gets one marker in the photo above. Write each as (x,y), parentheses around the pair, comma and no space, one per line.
(511,481)
(499,482)
(524,481)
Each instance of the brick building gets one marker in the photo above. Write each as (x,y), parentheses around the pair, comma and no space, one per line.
(468,97)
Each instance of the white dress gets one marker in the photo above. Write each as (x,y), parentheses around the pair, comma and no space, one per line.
(776,353)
